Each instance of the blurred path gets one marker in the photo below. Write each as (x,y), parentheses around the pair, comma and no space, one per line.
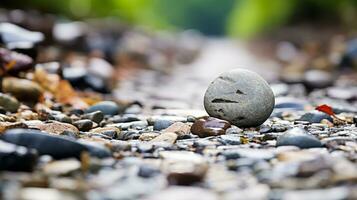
(185,86)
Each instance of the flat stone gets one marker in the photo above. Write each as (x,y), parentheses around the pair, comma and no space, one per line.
(61,167)
(106,107)
(162,124)
(148,136)
(183,168)
(241,97)
(179,128)
(166,137)
(298,137)
(46,144)
(209,126)
(315,117)
(57,127)
(107,131)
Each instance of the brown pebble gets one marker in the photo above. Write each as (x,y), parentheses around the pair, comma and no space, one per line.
(209,126)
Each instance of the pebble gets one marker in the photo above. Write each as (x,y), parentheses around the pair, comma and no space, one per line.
(183,168)
(62,167)
(179,128)
(16,158)
(96,116)
(22,89)
(241,97)
(58,128)
(56,146)
(229,139)
(18,61)
(162,124)
(9,103)
(165,137)
(106,107)
(209,126)
(10,125)
(84,124)
(315,117)
(148,136)
(298,137)
(111,131)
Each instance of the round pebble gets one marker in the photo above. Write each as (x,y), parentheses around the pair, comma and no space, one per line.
(241,97)
(9,103)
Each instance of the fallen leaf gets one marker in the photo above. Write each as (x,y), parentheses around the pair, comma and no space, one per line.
(66,94)
(326,109)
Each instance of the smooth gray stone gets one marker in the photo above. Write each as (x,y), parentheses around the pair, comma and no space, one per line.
(298,137)
(241,97)
(106,107)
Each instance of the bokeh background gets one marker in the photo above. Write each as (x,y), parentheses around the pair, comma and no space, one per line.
(238,18)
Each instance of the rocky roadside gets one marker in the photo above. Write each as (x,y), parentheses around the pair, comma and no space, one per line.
(58,143)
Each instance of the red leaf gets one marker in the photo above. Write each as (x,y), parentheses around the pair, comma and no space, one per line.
(326,109)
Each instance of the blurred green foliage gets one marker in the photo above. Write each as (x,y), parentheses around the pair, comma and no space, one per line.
(243,18)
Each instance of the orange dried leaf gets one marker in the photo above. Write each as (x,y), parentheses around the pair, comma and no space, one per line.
(66,94)
(326,109)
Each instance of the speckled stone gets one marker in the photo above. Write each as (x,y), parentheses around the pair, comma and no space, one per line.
(241,97)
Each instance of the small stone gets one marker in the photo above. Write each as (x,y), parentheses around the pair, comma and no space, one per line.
(84,124)
(96,116)
(183,168)
(180,128)
(22,89)
(62,118)
(148,171)
(119,145)
(315,117)
(111,131)
(16,61)
(61,167)
(148,136)
(230,139)
(57,127)
(298,137)
(209,126)
(9,103)
(241,97)
(46,144)
(10,125)
(106,107)
(162,124)
(16,158)
(233,130)
(166,137)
